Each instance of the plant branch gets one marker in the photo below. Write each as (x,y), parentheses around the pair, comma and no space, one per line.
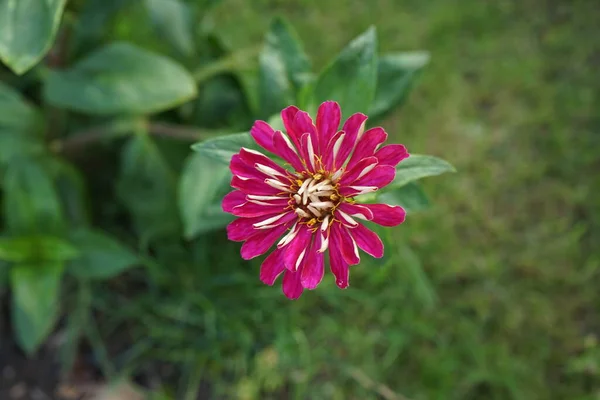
(82,139)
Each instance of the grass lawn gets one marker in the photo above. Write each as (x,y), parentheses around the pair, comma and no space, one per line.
(493,292)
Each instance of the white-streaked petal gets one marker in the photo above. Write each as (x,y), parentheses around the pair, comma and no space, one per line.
(277,184)
(367,169)
(304,185)
(325,224)
(348,220)
(268,170)
(268,221)
(313,197)
(337,145)
(302,213)
(313,210)
(289,236)
(261,203)
(337,175)
(324,243)
(311,152)
(257,197)
(299,260)
(297,198)
(363,189)
(322,204)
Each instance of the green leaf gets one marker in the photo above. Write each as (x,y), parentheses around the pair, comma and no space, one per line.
(35,289)
(172,19)
(36,248)
(101,256)
(120,78)
(146,186)
(396,74)
(31,204)
(222,148)
(27,30)
(201,189)
(411,197)
(20,125)
(420,166)
(351,78)
(72,192)
(283,67)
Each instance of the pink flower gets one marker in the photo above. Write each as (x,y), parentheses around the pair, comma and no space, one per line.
(308,208)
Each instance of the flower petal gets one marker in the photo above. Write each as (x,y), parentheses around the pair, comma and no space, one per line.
(288,115)
(366,145)
(344,242)
(292,287)
(285,149)
(386,215)
(391,154)
(328,122)
(367,240)
(357,210)
(296,250)
(233,199)
(379,176)
(263,135)
(354,128)
(359,170)
(239,168)
(313,268)
(332,149)
(253,186)
(307,151)
(261,242)
(241,228)
(339,267)
(249,209)
(252,158)
(272,267)
(304,124)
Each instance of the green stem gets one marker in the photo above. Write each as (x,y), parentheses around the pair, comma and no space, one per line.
(235,61)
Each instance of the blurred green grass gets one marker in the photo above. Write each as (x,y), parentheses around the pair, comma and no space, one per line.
(492,293)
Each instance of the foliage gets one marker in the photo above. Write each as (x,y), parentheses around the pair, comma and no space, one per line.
(111,229)
(99,183)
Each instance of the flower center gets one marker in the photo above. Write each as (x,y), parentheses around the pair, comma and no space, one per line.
(314,197)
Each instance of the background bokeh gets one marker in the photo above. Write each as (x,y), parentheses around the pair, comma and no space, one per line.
(491,293)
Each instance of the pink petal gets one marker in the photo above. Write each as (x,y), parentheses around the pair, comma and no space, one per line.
(386,215)
(252,158)
(354,128)
(307,152)
(249,209)
(240,168)
(328,154)
(241,228)
(339,267)
(357,211)
(379,176)
(304,124)
(233,199)
(358,170)
(288,115)
(366,145)
(286,150)
(253,186)
(272,267)
(292,287)
(345,244)
(328,122)
(391,154)
(261,242)
(313,268)
(295,251)
(263,135)
(367,240)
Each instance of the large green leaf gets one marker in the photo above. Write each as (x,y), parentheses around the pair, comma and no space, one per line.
(27,30)
(419,166)
(31,204)
(410,196)
(222,148)
(201,188)
(283,66)
(36,248)
(351,78)
(120,78)
(396,74)
(101,256)
(146,186)
(35,289)
(20,125)
(173,21)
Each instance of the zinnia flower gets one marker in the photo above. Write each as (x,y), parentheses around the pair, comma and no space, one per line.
(308,207)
